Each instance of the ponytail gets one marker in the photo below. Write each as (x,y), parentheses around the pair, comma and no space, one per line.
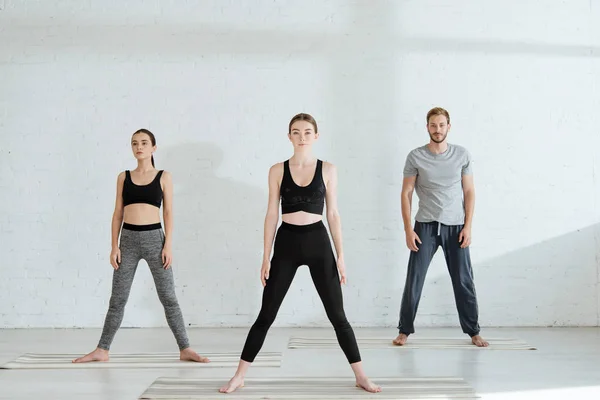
(152,158)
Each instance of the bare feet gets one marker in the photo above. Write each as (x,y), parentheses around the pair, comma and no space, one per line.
(233,384)
(400,340)
(96,355)
(479,342)
(366,384)
(190,355)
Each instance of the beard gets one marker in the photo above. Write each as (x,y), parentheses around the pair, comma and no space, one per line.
(437,139)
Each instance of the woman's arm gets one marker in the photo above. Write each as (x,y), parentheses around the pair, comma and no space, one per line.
(117,221)
(272,217)
(333,215)
(167,184)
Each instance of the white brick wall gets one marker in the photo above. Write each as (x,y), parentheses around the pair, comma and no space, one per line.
(218,81)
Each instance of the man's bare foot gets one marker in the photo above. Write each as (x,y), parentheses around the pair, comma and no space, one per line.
(400,340)
(233,384)
(190,355)
(479,342)
(96,355)
(367,385)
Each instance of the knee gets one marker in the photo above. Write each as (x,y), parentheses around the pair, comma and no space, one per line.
(264,321)
(342,327)
(465,284)
(464,278)
(117,303)
(169,299)
(414,279)
(339,321)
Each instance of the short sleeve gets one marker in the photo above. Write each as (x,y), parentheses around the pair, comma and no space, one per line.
(467,168)
(410,169)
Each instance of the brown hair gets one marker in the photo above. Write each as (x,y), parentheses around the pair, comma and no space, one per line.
(438,111)
(303,117)
(152,139)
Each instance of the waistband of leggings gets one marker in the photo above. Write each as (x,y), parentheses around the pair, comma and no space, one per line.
(139,228)
(317,226)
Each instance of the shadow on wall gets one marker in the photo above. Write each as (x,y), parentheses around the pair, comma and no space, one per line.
(519,288)
(217,239)
(533,273)
(368,157)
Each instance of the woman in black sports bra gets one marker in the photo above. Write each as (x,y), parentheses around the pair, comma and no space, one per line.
(303,185)
(140,194)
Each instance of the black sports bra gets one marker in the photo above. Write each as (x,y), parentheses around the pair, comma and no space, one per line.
(310,199)
(150,194)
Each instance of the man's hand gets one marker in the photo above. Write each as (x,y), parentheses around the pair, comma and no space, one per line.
(411,240)
(464,237)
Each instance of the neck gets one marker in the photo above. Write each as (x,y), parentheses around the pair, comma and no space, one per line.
(437,148)
(145,166)
(302,156)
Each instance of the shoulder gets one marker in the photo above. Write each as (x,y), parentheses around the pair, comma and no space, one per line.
(166,179)
(329,170)
(416,152)
(276,171)
(461,151)
(276,168)
(329,167)
(121,176)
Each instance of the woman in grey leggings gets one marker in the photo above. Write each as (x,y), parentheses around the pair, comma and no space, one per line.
(137,213)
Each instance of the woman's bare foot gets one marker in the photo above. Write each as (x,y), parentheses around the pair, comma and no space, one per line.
(233,384)
(400,340)
(361,378)
(479,342)
(96,355)
(190,355)
(366,384)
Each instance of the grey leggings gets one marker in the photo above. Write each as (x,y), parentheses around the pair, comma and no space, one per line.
(142,242)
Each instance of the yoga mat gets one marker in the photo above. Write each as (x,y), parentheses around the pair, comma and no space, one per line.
(138,360)
(309,388)
(297,342)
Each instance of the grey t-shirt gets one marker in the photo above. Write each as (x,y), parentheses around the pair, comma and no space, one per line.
(439,183)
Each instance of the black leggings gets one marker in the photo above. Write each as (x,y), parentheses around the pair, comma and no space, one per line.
(297,245)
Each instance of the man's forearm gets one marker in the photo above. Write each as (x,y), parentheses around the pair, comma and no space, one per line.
(469,207)
(406,201)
